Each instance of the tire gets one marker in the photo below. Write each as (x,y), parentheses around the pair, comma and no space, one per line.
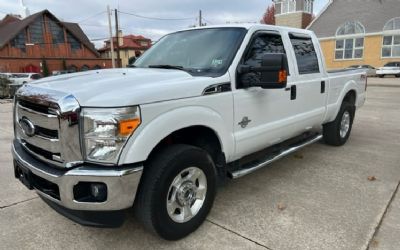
(397,76)
(381,76)
(156,191)
(332,131)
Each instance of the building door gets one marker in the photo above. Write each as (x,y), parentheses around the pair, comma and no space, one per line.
(31,69)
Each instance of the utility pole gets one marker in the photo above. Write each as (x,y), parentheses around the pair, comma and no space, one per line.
(117,36)
(200,19)
(111,38)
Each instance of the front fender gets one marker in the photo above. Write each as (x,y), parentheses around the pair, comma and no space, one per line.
(140,145)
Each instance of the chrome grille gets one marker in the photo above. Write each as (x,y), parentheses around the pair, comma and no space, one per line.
(56,130)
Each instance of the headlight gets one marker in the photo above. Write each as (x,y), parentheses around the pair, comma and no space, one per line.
(106,130)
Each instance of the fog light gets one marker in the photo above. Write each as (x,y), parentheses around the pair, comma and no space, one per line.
(90,192)
(98,191)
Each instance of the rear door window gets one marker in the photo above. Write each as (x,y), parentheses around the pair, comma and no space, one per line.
(306,57)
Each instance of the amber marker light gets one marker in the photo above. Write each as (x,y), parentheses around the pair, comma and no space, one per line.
(282,76)
(127,127)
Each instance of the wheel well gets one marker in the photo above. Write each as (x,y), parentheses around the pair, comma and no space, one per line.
(350,97)
(199,136)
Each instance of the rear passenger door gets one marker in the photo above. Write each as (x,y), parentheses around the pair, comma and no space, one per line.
(309,81)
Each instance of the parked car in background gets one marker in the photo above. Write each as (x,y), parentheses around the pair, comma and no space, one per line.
(392,68)
(22,78)
(8,76)
(371,71)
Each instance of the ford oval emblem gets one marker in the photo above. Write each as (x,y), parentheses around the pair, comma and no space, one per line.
(27,127)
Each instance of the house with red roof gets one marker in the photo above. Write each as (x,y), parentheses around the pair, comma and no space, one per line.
(130,47)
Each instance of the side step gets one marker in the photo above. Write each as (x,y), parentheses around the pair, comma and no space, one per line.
(249,168)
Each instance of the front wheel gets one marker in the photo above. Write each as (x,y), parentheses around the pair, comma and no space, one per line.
(381,76)
(337,132)
(177,191)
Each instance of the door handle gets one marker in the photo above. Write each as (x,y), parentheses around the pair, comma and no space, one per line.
(293,92)
(322,87)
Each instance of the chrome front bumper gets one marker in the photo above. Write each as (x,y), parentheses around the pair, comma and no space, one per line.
(122,182)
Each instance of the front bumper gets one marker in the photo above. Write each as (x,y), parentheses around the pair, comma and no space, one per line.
(122,182)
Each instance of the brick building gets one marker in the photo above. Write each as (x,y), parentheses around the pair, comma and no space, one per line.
(359,32)
(25,44)
(129,46)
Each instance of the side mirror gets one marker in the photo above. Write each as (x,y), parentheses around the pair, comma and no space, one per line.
(271,75)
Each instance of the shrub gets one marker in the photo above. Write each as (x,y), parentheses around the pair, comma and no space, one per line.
(4,88)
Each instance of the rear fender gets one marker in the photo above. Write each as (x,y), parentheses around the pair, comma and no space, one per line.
(333,108)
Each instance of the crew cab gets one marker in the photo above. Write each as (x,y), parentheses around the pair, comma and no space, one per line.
(202,106)
(391,68)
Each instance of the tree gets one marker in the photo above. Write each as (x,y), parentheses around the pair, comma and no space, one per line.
(64,64)
(269,15)
(45,69)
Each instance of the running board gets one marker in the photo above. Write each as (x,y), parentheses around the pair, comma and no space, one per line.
(271,158)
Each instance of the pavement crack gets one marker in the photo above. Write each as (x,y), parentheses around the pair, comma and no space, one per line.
(383,216)
(19,202)
(238,234)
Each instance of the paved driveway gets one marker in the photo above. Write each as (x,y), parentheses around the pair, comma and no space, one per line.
(323,193)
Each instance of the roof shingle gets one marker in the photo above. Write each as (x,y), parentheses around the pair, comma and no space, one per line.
(372,14)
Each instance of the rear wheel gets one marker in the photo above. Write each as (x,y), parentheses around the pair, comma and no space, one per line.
(177,191)
(337,132)
(398,75)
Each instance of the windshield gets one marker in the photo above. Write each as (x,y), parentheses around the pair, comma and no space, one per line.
(204,52)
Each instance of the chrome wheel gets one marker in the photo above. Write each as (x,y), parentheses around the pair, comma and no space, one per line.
(345,124)
(186,194)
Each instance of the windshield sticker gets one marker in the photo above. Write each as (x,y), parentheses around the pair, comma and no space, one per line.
(216,62)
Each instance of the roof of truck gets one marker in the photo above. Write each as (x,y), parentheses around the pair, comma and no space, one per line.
(255,26)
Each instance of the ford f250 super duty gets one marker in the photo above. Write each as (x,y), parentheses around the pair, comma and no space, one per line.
(201,106)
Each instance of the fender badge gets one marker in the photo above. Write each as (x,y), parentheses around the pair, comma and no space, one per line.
(245,121)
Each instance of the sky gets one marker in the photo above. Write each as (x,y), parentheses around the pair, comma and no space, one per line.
(91,14)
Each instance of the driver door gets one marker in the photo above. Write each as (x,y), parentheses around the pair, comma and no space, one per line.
(262,117)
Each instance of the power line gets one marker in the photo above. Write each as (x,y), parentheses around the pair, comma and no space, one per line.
(157,18)
(98,39)
(90,17)
(208,22)
(94,25)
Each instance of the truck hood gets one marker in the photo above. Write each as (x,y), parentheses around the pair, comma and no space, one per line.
(124,87)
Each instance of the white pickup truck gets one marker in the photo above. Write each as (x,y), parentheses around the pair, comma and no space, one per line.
(201,106)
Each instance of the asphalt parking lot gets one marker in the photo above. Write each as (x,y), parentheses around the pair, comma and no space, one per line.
(321,197)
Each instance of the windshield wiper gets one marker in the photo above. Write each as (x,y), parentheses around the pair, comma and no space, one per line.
(167,66)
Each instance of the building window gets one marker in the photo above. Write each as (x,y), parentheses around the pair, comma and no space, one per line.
(36,32)
(57,32)
(74,43)
(286,6)
(308,6)
(350,41)
(19,41)
(391,38)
